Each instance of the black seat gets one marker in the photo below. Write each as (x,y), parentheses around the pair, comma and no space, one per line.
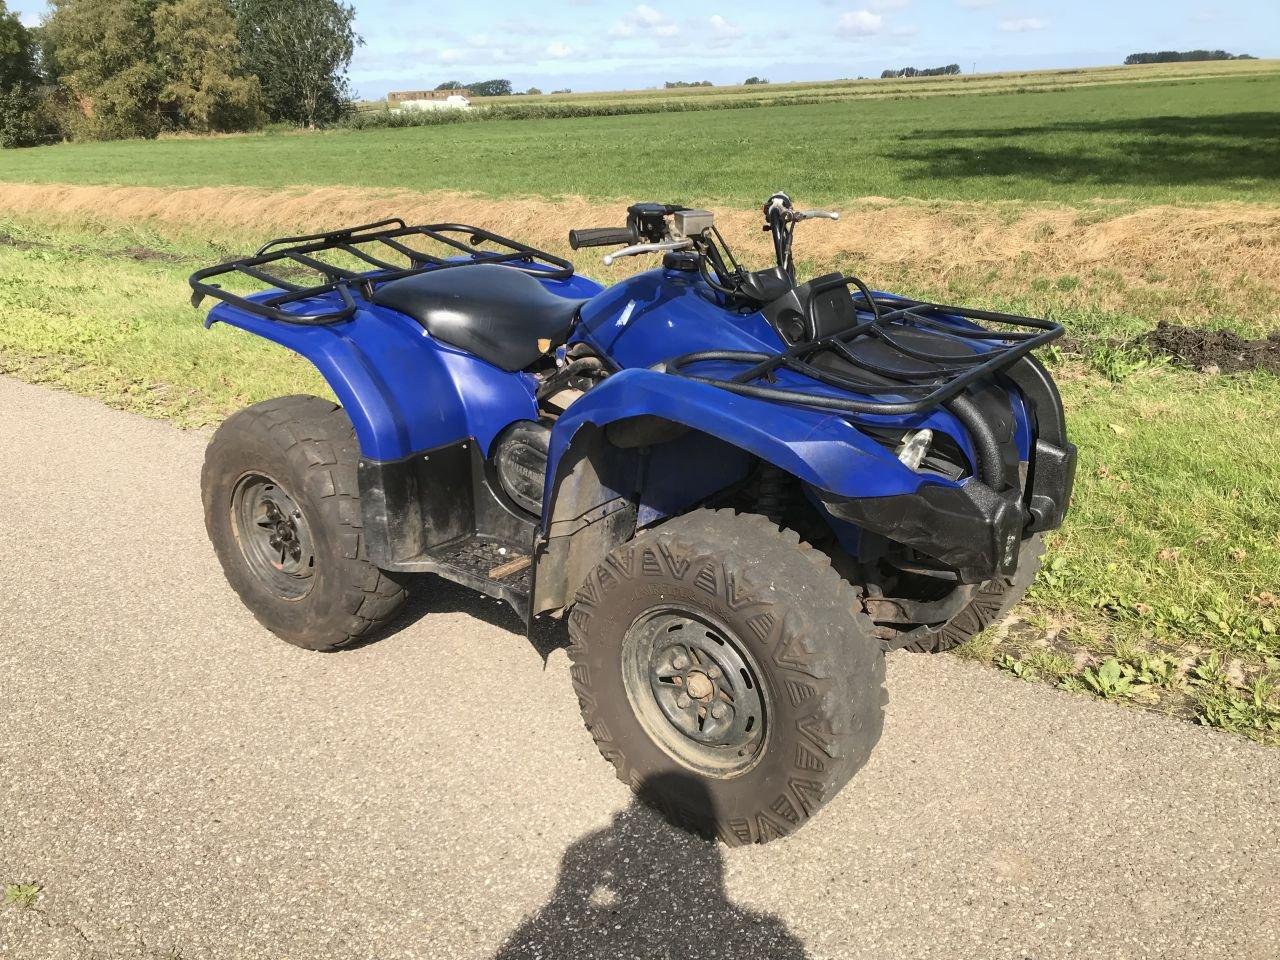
(498,313)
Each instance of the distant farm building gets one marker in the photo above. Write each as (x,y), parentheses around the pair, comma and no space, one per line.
(455,102)
(399,99)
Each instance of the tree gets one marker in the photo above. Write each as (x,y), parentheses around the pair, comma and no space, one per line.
(950,70)
(102,50)
(491,88)
(451,85)
(533,92)
(206,89)
(17,52)
(754,81)
(20,123)
(300,51)
(1182,56)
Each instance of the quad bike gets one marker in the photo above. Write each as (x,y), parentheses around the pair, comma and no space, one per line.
(739,489)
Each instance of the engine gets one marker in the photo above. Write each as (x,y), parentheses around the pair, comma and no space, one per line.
(521,451)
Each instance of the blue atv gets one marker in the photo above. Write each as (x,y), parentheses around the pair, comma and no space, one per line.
(739,489)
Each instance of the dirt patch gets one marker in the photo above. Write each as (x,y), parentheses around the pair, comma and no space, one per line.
(1214,351)
(145,255)
(8,240)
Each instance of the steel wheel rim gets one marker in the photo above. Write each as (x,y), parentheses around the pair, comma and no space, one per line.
(274,536)
(696,690)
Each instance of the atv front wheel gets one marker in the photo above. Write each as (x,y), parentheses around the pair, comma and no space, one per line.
(282,508)
(728,673)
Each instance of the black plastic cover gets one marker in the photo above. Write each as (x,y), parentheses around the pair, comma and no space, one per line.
(971,528)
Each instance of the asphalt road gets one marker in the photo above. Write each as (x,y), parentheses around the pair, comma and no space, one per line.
(184,785)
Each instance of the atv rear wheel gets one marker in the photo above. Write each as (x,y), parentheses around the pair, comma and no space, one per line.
(282,508)
(728,673)
(990,605)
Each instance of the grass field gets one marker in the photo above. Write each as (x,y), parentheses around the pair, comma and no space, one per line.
(1162,588)
(958,85)
(1176,141)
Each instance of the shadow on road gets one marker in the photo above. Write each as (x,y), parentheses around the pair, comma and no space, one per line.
(643,888)
(430,595)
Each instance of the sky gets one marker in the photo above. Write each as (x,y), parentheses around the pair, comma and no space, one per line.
(618,44)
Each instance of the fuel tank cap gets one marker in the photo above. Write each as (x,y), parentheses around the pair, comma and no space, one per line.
(681,260)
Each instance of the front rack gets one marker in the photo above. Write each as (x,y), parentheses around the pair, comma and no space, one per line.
(369,244)
(934,380)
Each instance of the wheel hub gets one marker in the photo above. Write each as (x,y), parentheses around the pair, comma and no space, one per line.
(274,535)
(700,686)
(696,690)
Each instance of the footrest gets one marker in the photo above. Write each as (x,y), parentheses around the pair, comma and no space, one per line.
(492,561)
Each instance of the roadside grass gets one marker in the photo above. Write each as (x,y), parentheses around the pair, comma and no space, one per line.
(1161,590)
(21,895)
(1183,141)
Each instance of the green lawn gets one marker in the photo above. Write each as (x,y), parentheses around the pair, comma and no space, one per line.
(1177,141)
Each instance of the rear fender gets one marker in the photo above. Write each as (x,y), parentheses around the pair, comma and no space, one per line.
(403,391)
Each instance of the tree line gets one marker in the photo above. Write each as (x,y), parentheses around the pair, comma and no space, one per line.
(951,69)
(115,69)
(1183,56)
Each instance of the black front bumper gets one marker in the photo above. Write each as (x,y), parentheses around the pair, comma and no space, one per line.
(971,528)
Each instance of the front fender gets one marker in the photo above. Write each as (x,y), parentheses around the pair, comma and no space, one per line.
(822,449)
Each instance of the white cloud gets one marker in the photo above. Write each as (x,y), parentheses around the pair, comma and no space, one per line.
(860,23)
(452,55)
(976,4)
(723,32)
(643,19)
(1022,24)
(559,50)
(888,4)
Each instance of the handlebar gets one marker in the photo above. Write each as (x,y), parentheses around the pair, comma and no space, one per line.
(659,228)
(601,237)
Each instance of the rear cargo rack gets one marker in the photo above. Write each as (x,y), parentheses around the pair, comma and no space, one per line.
(368,245)
(924,381)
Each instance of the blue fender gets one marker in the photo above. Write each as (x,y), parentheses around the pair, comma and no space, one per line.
(403,391)
(818,447)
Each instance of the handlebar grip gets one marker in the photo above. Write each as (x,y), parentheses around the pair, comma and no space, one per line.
(601,237)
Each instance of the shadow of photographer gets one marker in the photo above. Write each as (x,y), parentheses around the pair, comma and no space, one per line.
(643,888)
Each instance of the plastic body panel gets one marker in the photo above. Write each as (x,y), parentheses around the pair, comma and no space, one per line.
(822,449)
(404,391)
(654,316)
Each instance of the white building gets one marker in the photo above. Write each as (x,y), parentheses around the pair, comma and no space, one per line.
(453,102)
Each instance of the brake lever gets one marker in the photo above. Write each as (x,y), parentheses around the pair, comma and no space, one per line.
(640,248)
